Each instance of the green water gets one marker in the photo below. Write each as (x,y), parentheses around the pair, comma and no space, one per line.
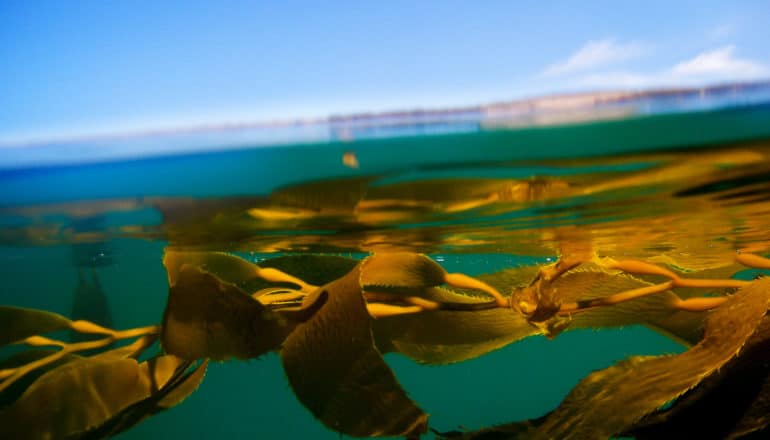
(246,399)
(251,399)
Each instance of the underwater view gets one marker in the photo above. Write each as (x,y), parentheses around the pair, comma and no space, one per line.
(586,266)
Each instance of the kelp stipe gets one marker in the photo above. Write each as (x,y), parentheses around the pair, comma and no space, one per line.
(331,334)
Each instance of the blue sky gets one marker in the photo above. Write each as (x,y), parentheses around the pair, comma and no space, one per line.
(94,67)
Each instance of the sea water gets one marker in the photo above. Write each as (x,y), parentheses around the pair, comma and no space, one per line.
(686,180)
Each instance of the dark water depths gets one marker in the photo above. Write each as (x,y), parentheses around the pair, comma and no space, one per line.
(685,189)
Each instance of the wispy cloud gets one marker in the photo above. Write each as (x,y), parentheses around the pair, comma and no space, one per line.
(715,65)
(595,54)
(720,61)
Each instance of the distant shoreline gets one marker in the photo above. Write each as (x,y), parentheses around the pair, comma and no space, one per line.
(519,109)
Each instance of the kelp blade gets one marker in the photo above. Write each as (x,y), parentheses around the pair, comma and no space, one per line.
(448,336)
(178,388)
(732,403)
(20,323)
(610,401)
(228,267)
(336,371)
(82,395)
(209,318)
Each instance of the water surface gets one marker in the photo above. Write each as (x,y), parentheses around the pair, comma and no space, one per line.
(681,185)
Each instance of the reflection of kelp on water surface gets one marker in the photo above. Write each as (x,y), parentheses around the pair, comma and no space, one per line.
(331,319)
(664,206)
(660,239)
(530,213)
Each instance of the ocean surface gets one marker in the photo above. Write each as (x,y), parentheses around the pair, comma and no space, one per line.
(678,179)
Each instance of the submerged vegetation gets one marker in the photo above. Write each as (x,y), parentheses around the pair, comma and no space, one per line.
(332,318)
(673,241)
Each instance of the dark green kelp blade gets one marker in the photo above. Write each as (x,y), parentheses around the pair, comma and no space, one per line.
(19,323)
(336,371)
(732,403)
(207,317)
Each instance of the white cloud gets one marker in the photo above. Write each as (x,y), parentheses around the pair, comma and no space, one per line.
(716,65)
(720,61)
(595,54)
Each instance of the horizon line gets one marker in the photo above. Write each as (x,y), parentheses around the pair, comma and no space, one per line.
(544,102)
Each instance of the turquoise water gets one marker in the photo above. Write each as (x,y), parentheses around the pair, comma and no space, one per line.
(246,399)
(116,218)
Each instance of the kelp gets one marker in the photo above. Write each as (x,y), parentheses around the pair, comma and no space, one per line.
(731,403)
(209,318)
(20,323)
(607,402)
(228,267)
(613,401)
(447,336)
(180,386)
(12,392)
(431,209)
(336,371)
(331,319)
(83,394)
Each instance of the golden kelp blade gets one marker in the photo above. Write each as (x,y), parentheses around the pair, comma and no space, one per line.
(732,403)
(337,373)
(10,394)
(323,196)
(180,386)
(409,273)
(225,266)
(446,336)
(400,270)
(208,318)
(228,267)
(186,386)
(81,395)
(609,401)
(590,281)
(312,269)
(19,323)
(13,391)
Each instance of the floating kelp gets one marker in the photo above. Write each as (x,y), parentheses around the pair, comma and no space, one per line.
(613,401)
(210,318)
(81,395)
(336,371)
(609,401)
(330,319)
(731,403)
(511,209)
